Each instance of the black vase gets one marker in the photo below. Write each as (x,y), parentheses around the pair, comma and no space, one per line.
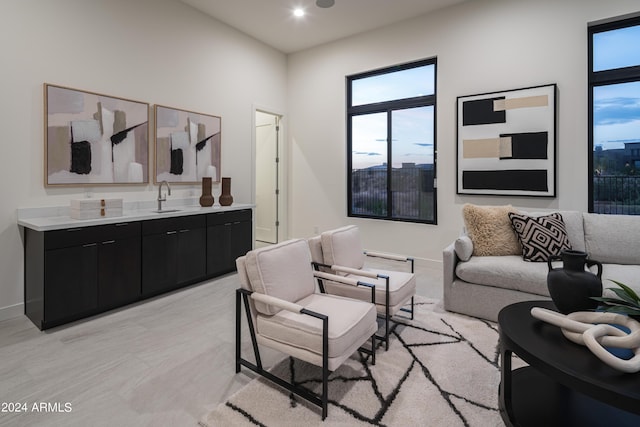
(571,287)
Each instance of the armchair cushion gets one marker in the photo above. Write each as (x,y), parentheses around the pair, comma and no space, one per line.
(282,271)
(342,246)
(350,322)
(402,286)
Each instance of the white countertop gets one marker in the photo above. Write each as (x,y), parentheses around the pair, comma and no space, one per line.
(57,218)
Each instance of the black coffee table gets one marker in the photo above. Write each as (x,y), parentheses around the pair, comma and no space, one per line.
(564,384)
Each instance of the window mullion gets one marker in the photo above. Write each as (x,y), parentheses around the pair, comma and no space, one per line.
(389,165)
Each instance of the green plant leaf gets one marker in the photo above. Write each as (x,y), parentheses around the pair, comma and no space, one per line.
(614,301)
(620,309)
(627,290)
(623,295)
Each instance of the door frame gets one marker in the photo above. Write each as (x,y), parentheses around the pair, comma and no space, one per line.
(283,169)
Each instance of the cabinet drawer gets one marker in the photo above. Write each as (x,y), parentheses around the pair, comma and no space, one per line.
(164,225)
(85,235)
(229,217)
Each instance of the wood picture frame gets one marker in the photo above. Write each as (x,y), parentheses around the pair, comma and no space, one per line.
(506,142)
(94,139)
(187,146)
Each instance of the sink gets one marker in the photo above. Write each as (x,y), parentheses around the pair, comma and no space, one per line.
(167,210)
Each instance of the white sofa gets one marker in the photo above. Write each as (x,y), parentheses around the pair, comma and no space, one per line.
(481,286)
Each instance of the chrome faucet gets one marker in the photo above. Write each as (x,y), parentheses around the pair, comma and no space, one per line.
(160,197)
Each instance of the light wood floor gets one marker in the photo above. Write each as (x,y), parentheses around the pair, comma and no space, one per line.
(163,362)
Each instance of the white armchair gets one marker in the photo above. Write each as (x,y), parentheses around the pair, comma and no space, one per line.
(284,313)
(340,252)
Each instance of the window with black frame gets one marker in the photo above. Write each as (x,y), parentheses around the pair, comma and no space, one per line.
(391,116)
(614,117)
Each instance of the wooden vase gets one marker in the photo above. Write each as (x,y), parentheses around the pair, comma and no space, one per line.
(226,198)
(207,198)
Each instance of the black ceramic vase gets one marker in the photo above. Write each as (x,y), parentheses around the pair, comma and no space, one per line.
(571,287)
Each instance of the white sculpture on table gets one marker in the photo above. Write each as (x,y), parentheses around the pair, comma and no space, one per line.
(595,330)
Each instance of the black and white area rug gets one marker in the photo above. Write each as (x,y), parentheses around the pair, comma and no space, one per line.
(441,369)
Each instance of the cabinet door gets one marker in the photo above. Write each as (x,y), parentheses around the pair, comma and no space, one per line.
(241,242)
(218,244)
(71,282)
(228,237)
(159,268)
(119,272)
(192,254)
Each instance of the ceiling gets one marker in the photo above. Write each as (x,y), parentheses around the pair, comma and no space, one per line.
(273,23)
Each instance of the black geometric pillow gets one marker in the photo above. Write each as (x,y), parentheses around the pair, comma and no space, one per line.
(540,236)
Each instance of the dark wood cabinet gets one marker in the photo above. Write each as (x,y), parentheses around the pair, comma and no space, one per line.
(71,275)
(77,272)
(228,237)
(174,253)
(119,270)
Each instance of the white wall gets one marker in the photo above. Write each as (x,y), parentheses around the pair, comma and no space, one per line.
(155,51)
(481,46)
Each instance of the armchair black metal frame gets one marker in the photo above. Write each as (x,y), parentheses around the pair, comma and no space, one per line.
(372,275)
(322,400)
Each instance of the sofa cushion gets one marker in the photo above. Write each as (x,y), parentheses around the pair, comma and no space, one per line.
(490,230)
(627,274)
(573,224)
(612,238)
(509,272)
(541,237)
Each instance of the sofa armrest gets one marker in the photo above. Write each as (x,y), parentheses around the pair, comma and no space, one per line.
(449,261)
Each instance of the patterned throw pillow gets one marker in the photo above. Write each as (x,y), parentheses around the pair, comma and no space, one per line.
(540,236)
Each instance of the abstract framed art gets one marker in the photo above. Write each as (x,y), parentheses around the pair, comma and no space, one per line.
(187,146)
(506,142)
(94,139)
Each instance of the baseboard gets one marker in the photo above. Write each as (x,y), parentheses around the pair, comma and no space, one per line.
(429,263)
(11,311)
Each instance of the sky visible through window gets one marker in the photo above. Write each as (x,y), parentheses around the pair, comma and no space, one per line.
(616,108)
(412,139)
(412,136)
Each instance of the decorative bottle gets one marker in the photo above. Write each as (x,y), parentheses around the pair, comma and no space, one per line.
(226,199)
(207,198)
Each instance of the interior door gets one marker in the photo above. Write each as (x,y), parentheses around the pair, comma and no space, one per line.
(266,219)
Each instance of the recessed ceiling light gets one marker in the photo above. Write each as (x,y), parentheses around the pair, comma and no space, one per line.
(299,12)
(325,3)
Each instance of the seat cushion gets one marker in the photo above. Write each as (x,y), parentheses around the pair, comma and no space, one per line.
(402,286)
(343,247)
(509,272)
(283,271)
(349,321)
